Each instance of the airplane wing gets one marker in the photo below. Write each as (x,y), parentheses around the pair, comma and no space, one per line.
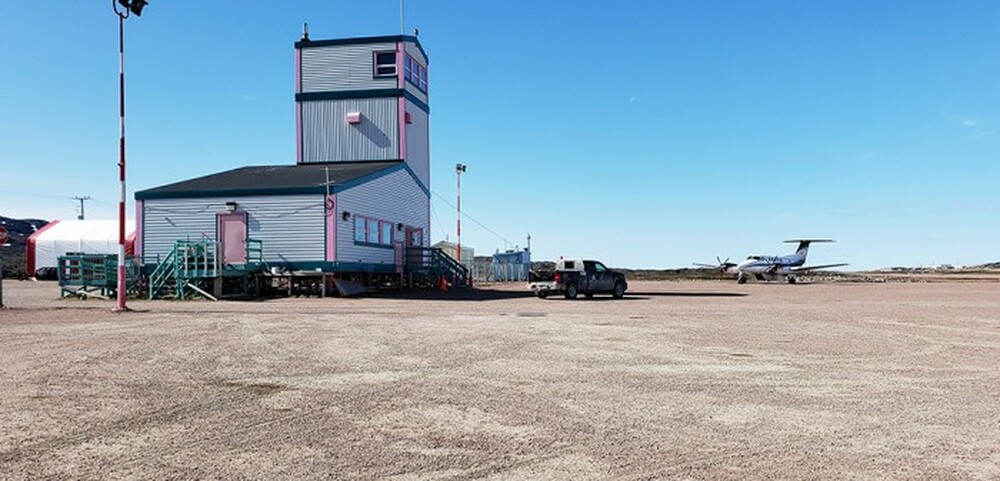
(813,268)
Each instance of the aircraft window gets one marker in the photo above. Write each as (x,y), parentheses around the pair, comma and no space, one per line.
(753,258)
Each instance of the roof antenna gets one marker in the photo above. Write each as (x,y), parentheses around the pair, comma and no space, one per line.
(305,31)
(402,27)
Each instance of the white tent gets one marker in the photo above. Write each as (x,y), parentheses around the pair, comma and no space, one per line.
(87,236)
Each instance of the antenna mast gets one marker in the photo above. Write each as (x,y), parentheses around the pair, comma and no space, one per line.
(402,24)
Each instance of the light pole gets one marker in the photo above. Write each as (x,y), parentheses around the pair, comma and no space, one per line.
(128,7)
(459,169)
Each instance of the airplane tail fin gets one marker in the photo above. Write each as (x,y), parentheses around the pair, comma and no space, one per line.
(803,249)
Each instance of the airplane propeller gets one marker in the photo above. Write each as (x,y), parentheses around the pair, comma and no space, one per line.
(722,266)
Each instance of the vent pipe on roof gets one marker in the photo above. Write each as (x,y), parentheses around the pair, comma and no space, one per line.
(305,31)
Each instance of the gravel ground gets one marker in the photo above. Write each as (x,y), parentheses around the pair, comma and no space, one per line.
(680,380)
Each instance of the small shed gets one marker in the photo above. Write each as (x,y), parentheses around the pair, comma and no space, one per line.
(57,238)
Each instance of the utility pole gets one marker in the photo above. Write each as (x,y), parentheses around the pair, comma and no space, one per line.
(82,200)
(459,169)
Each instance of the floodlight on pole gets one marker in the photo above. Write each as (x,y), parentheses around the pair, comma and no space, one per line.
(128,7)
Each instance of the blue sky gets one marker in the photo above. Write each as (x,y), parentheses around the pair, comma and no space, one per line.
(647,134)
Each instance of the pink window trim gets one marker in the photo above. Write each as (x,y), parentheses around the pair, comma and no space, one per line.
(378,223)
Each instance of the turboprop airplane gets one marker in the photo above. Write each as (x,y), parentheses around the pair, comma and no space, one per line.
(771,268)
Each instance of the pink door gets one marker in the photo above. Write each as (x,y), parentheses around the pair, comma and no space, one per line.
(414,236)
(233,237)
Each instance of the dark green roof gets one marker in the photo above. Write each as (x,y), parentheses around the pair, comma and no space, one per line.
(273,180)
(362,41)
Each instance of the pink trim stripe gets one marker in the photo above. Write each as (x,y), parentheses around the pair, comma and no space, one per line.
(400,54)
(331,228)
(138,228)
(298,106)
(401,104)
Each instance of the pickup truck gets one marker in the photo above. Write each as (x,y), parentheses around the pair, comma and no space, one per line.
(577,276)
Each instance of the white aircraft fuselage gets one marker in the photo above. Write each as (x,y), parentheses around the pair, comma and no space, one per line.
(772,268)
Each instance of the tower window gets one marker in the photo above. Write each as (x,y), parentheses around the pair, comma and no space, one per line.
(385,64)
(415,73)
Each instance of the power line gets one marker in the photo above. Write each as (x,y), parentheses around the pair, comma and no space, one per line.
(32,194)
(473,219)
(436,218)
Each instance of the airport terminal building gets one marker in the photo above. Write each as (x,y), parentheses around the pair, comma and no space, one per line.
(358,193)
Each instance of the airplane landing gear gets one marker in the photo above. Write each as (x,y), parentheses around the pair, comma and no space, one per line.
(741,279)
(791,279)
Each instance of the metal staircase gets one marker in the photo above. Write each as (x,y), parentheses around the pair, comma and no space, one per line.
(426,265)
(185,270)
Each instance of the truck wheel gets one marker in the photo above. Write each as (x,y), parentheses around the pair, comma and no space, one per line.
(619,291)
(571,291)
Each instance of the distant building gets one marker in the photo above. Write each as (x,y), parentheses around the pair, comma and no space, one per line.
(511,266)
(468,253)
(358,191)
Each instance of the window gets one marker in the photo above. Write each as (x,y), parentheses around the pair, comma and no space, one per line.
(385,64)
(373,232)
(359,230)
(386,238)
(415,73)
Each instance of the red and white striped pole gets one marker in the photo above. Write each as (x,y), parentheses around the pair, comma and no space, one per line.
(128,7)
(121,160)
(459,168)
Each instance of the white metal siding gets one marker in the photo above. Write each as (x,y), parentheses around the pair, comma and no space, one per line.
(327,137)
(395,198)
(413,51)
(291,227)
(343,67)
(417,143)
